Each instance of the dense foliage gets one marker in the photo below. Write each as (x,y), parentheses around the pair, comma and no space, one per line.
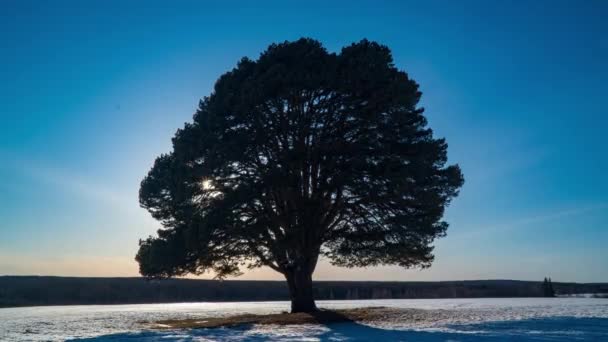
(298,154)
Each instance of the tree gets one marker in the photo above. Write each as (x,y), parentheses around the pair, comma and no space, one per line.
(300,154)
(548,290)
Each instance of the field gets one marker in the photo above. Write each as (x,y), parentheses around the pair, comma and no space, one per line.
(484,319)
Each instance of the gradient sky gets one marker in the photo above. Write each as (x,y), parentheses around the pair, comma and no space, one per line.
(92,91)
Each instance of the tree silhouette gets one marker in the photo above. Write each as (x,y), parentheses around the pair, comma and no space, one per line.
(548,290)
(298,154)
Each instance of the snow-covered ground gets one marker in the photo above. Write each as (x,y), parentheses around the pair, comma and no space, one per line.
(584,295)
(487,319)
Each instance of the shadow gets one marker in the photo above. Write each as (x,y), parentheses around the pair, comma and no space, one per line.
(536,330)
(327,317)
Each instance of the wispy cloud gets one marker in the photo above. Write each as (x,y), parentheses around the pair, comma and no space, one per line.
(77,184)
(535,219)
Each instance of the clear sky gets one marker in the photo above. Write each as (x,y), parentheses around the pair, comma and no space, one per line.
(92,91)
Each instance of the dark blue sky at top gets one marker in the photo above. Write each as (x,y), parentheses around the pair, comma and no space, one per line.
(92,92)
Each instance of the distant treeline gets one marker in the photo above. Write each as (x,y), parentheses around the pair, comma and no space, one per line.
(33,291)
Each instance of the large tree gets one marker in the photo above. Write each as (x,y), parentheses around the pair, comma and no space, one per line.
(299,154)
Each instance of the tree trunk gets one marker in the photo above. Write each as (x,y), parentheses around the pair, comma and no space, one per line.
(299,281)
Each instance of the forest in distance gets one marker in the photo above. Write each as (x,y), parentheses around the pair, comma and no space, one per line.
(46,290)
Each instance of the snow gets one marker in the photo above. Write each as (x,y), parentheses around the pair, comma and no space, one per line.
(487,319)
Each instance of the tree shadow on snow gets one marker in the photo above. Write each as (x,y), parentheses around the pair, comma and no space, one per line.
(537,330)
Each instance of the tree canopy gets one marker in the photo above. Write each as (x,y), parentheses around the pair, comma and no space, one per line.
(299,154)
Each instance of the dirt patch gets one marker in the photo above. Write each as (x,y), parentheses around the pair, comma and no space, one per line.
(372,314)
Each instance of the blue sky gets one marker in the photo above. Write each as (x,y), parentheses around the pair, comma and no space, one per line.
(93,91)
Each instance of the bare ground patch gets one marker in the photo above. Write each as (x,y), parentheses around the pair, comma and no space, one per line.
(370,314)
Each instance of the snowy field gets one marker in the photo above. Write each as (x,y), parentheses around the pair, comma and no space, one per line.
(488,319)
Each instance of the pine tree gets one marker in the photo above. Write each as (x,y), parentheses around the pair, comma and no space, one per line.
(547,288)
(551,290)
(300,154)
